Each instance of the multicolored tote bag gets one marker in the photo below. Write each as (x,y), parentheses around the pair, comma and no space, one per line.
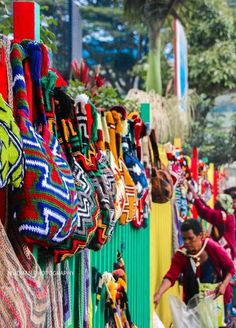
(11,148)
(129,210)
(46,206)
(135,167)
(23,290)
(120,195)
(88,207)
(89,159)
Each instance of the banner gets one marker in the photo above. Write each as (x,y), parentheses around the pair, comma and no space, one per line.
(181,65)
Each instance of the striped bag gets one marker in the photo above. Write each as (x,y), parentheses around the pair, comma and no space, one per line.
(90,160)
(46,206)
(88,207)
(128,213)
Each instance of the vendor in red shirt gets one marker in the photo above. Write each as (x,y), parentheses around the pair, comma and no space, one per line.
(211,260)
(222,219)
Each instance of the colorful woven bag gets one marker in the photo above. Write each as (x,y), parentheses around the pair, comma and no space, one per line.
(119,202)
(46,206)
(129,211)
(135,167)
(23,290)
(11,148)
(89,159)
(88,207)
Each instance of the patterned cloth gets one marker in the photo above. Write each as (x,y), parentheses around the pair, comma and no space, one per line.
(46,206)
(11,148)
(23,290)
(226,202)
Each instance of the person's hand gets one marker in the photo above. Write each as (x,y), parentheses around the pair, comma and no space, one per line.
(220,289)
(192,190)
(156,299)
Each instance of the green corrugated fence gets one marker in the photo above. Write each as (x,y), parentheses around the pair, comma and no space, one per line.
(134,244)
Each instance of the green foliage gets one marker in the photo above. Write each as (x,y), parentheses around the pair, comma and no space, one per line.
(104,97)
(47,36)
(212,48)
(110,42)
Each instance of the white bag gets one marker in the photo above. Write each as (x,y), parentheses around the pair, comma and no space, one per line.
(199,313)
(156,321)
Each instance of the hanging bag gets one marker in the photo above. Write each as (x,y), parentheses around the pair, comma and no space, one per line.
(23,290)
(89,160)
(46,206)
(11,148)
(135,167)
(162,183)
(129,210)
(88,207)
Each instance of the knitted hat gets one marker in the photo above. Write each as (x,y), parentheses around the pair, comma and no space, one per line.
(226,202)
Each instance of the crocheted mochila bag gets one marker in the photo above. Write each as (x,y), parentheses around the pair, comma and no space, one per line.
(108,130)
(23,290)
(89,158)
(88,207)
(162,183)
(129,210)
(11,148)
(46,206)
(134,165)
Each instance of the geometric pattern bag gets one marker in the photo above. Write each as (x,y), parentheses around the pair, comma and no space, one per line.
(119,182)
(11,148)
(46,205)
(90,160)
(128,213)
(135,167)
(23,292)
(88,207)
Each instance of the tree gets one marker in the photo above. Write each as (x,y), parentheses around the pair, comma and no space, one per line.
(153,13)
(109,41)
(212,48)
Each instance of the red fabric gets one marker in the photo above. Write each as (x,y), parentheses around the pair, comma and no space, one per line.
(3,74)
(215,186)
(29,89)
(45,61)
(89,119)
(4,92)
(194,164)
(219,257)
(215,217)
(60,82)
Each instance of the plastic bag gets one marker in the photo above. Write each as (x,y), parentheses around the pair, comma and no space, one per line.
(156,321)
(198,313)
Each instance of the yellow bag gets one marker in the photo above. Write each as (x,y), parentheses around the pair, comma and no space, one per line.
(129,211)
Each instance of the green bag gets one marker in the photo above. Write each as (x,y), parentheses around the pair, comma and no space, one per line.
(207,290)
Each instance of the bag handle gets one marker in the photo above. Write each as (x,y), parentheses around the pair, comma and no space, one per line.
(17,56)
(34,51)
(155,150)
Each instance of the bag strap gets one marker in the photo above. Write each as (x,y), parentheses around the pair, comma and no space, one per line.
(17,56)
(34,51)
(155,150)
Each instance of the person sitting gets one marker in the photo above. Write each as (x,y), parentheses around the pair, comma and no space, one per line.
(212,263)
(222,219)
